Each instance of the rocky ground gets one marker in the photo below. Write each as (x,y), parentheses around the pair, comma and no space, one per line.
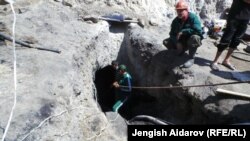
(60,88)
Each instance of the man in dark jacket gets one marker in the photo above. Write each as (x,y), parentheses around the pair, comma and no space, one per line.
(186,33)
(238,18)
(104,79)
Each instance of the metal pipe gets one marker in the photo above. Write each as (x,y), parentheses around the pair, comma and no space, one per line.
(6,37)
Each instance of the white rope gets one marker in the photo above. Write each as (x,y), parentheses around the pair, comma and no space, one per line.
(15,77)
(104,128)
(50,117)
(41,123)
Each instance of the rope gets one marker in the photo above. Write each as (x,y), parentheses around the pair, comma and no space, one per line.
(15,77)
(190,86)
(49,118)
(103,129)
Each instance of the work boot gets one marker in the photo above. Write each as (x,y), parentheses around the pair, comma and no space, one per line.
(190,62)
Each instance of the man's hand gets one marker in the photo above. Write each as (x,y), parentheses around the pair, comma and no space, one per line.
(116,85)
(179,35)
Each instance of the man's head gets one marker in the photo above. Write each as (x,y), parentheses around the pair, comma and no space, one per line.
(114,64)
(182,9)
(122,69)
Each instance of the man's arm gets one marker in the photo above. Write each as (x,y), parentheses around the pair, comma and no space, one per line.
(126,82)
(195,27)
(172,33)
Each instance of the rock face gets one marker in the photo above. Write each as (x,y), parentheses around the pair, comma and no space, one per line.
(51,83)
(59,89)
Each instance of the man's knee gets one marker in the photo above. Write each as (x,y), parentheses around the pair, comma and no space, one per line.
(194,41)
(234,44)
(235,41)
(221,46)
(168,43)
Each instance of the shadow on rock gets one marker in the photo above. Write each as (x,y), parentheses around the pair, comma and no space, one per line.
(239,113)
(223,74)
(202,62)
(169,58)
(46,110)
(165,66)
(216,109)
(137,98)
(241,76)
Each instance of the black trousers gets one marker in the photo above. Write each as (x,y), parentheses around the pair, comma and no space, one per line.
(234,31)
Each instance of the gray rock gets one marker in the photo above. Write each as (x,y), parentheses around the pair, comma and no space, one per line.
(66,80)
(118,123)
(67,3)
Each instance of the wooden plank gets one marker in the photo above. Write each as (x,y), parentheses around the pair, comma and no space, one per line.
(232,93)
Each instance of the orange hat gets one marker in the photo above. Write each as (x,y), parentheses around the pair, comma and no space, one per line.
(181,5)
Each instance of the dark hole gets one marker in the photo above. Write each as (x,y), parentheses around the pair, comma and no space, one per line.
(106,95)
(118,27)
(105,92)
(135,100)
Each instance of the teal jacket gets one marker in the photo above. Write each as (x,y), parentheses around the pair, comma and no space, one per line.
(125,80)
(191,26)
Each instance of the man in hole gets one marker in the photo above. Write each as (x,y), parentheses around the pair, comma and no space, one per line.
(124,87)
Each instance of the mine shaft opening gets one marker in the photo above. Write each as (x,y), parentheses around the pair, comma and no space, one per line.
(106,95)
(105,76)
(140,101)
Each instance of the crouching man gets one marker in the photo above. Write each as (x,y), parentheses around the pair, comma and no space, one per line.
(185,34)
